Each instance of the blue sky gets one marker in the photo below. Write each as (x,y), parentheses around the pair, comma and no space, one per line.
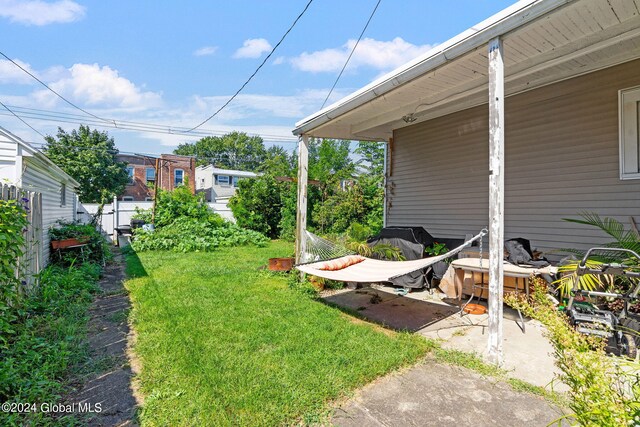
(174,63)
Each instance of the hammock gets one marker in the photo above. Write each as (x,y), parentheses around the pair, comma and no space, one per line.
(320,251)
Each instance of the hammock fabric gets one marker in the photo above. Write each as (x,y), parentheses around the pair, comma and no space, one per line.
(375,270)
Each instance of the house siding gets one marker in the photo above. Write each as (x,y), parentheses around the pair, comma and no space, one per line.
(35,179)
(561,158)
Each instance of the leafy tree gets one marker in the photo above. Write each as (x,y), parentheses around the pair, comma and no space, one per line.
(90,158)
(278,162)
(256,205)
(235,150)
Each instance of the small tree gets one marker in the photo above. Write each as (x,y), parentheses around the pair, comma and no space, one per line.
(89,157)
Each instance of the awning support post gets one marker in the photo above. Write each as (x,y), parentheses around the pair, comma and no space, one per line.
(496,199)
(301,208)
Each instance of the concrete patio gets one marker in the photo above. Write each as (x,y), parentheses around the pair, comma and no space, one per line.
(528,356)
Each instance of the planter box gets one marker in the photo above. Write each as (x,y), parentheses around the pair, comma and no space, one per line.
(65,243)
(281,264)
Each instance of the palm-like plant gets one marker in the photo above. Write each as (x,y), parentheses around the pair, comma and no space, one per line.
(625,239)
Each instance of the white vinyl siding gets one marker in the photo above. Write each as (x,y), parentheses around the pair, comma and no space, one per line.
(35,179)
(561,158)
(629,111)
(8,149)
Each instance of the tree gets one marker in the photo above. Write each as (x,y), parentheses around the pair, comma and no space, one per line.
(278,162)
(256,205)
(89,157)
(235,150)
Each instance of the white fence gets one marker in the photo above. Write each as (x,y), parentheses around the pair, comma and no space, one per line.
(119,213)
(31,262)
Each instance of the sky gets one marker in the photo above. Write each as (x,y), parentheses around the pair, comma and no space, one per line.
(167,65)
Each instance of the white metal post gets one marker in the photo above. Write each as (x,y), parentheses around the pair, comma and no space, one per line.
(496,199)
(116,224)
(301,211)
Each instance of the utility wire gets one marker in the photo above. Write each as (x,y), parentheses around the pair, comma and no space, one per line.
(122,124)
(256,71)
(141,128)
(56,93)
(22,120)
(351,54)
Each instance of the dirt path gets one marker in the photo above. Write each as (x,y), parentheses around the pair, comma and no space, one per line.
(108,380)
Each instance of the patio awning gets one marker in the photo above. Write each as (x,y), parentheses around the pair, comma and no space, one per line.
(544,41)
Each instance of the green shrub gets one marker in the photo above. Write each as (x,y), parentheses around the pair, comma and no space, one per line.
(181,202)
(49,330)
(190,234)
(97,249)
(603,390)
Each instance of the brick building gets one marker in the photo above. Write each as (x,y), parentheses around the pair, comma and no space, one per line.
(173,171)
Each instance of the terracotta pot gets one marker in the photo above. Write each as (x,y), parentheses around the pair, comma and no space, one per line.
(281,264)
(65,243)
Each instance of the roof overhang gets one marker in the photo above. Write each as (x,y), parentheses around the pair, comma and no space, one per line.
(40,159)
(544,41)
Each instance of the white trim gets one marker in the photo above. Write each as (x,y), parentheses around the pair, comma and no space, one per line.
(629,133)
(174,177)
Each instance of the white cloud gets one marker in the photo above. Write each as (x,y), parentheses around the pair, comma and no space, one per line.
(37,12)
(253,48)
(93,85)
(9,73)
(255,106)
(205,51)
(381,55)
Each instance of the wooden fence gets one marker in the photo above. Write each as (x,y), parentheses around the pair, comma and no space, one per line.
(29,264)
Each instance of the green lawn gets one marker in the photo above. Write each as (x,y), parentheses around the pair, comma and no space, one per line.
(222,343)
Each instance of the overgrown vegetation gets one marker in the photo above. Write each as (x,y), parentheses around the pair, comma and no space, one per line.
(45,341)
(13,219)
(184,223)
(97,249)
(223,343)
(345,192)
(603,390)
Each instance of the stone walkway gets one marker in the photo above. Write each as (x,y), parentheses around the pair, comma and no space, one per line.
(110,382)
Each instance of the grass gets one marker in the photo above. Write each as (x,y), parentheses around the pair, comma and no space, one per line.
(47,347)
(223,343)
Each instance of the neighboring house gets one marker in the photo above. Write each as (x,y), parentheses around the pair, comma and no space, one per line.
(26,167)
(571,124)
(173,170)
(219,184)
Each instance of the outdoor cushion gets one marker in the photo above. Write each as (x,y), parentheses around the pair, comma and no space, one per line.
(342,262)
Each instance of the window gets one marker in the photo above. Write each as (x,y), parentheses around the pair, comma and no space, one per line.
(178,177)
(127,198)
(63,195)
(130,173)
(222,180)
(151,175)
(235,181)
(201,182)
(629,129)
(148,199)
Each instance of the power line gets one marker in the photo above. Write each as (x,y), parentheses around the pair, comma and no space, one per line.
(22,120)
(159,129)
(256,71)
(53,91)
(351,54)
(122,124)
